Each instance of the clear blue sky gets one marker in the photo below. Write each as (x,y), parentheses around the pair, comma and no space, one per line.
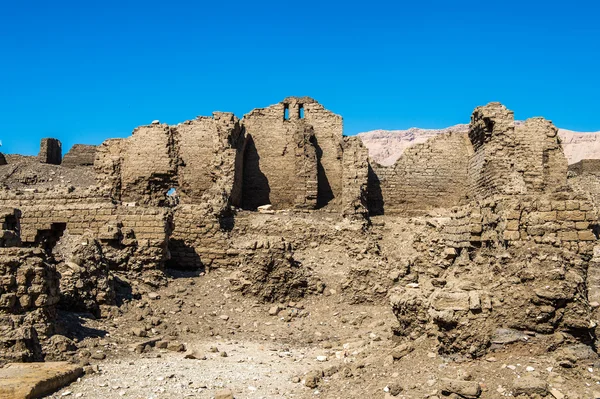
(84,71)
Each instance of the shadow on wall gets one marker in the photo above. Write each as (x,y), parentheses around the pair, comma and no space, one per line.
(255,185)
(324,191)
(183,256)
(375,201)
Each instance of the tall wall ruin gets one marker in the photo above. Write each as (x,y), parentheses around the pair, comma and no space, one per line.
(270,173)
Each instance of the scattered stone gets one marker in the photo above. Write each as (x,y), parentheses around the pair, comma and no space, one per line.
(467,389)
(394,389)
(313,378)
(224,394)
(401,350)
(195,355)
(98,356)
(176,346)
(274,310)
(529,385)
(139,332)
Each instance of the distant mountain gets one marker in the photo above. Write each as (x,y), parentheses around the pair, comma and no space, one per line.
(386,146)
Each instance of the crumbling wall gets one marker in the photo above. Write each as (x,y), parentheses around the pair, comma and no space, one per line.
(539,154)
(492,166)
(28,297)
(355,177)
(426,176)
(50,151)
(149,166)
(80,155)
(141,233)
(107,166)
(501,266)
(511,159)
(270,175)
(206,146)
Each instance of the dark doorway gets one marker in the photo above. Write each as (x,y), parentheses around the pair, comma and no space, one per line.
(255,185)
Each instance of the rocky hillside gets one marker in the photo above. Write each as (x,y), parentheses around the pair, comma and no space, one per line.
(386,146)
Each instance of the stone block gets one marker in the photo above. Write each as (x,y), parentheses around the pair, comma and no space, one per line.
(33,380)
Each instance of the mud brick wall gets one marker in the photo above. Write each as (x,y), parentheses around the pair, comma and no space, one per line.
(269,155)
(328,128)
(50,151)
(428,175)
(563,219)
(107,166)
(80,155)
(306,168)
(144,228)
(355,177)
(149,165)
(510,159)
(539,154)
(203,146)
(566,220)
(464,228)
(199,239)
(492,134)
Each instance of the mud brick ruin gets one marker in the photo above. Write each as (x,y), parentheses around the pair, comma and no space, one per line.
(508,241)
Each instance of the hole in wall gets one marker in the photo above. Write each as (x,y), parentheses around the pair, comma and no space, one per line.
(172,199)
(286,112)
(301,112)
(47,239)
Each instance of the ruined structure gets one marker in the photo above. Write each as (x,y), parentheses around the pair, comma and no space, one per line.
(50,151)
(80,155)
(501,240)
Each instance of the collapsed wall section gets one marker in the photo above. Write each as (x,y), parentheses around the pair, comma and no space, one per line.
(79,155)
(141,232)
(426,176)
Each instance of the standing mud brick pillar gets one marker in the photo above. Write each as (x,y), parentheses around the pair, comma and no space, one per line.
(50,151)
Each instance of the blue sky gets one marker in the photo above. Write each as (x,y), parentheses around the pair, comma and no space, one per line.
(84,71)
